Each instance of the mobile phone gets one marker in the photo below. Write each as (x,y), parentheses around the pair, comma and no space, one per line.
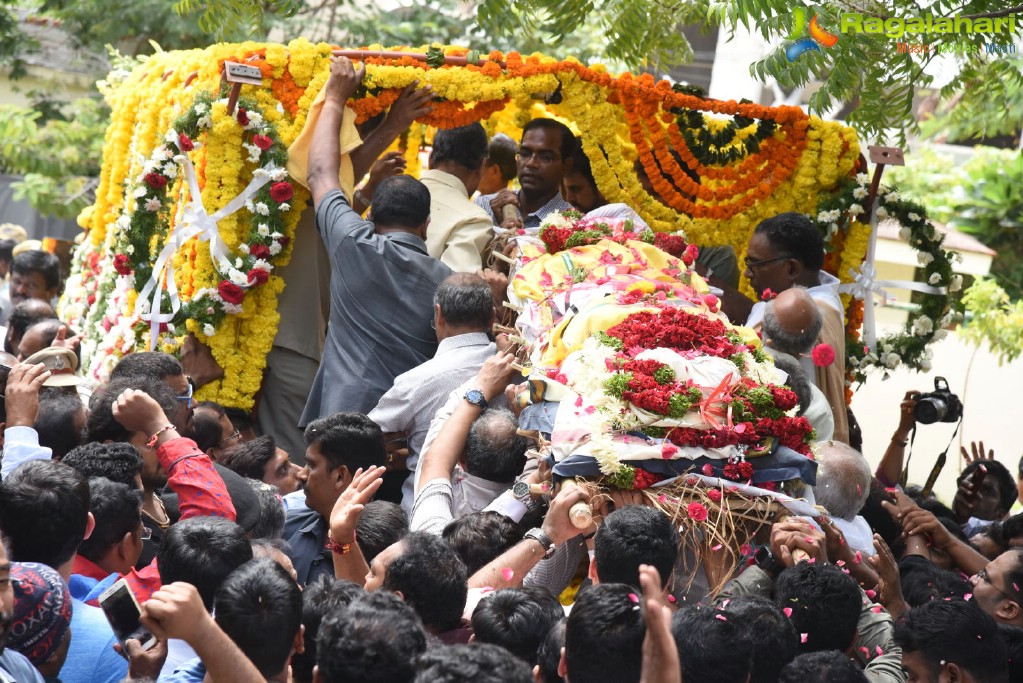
(977,478)
(122,611)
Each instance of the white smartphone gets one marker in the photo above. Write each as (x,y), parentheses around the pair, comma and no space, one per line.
(123,612)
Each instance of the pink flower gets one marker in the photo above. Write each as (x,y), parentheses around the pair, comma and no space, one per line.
(707,470)
(823,355)
(668,450)
(768,294)
(697,512)
(714,495)
(787,611)
(711,301)
(507,573)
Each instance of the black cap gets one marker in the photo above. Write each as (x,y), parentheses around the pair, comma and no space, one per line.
(244,499)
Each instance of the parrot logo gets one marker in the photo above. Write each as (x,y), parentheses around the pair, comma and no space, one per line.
(818,36)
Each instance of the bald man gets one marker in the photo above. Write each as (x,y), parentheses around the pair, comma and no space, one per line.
(793,323)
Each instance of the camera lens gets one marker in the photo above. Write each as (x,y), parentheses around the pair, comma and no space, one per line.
(930,410)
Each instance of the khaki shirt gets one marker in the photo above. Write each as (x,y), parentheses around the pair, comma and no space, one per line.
(459,230)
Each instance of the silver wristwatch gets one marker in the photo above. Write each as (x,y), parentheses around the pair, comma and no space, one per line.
(543,539)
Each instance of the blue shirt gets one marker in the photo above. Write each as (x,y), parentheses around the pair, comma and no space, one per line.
(306,533)
(381,310)
(190,672)
(91,657)
(15,667)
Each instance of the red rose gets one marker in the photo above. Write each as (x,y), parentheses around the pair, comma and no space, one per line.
(284,241)
(262,141)
(230,292)
(708,470)
(823,355)
(260,251)
(282,191)
(258,276)
(697,512)
(155,180)
(185,143)
(242,116)
(714,495)
(122,264)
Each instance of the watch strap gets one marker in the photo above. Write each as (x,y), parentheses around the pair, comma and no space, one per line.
(543,539)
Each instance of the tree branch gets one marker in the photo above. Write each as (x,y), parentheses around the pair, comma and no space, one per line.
(999,13)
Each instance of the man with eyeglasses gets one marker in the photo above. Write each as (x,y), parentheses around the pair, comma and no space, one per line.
(545,156)
(998,588)
(786,251)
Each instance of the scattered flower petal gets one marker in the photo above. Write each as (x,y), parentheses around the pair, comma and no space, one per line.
(507,573)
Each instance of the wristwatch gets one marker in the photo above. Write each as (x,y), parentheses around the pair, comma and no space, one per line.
(521,491)
(766,560)
(475,397)
(543,539)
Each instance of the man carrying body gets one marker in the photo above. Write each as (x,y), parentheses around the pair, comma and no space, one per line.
(383,278)
(459,229)
(545,156)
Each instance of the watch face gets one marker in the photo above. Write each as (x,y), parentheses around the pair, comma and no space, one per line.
(520,490)
(474,396)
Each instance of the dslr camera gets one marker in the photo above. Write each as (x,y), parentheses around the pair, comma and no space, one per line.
(940,405)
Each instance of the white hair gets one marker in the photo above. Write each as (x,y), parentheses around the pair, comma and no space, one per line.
(843,479)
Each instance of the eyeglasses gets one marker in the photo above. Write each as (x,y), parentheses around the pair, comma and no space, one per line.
(187,397)
(544,158)
(751,264)
(230,440)
(147,533)
(982,575)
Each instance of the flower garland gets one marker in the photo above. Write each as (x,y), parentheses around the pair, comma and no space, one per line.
(253,263)
(843,213)
(568,229)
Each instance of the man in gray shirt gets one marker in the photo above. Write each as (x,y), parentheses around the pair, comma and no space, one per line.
(383,280)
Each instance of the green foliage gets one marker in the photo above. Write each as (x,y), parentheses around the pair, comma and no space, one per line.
(59,160)
(664,375)
(617,383)
(991,103)
(996,320)
(989,206)
(226,19)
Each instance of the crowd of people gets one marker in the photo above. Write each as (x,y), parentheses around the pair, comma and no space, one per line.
(394,522)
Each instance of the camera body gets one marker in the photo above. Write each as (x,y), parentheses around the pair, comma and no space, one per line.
(940,405)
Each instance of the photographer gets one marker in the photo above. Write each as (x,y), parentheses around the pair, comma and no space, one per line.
(889,470)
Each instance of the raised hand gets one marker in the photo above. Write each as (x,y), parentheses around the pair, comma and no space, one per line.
(349,506)
(410,105)
(889,586)
(22,396)
(344,79)
(660,655)
(976,453)
(495,375)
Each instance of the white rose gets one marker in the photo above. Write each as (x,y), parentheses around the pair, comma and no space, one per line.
(924,258)
(262,209)
(882,212)
(892,361)
(956,283)
(934,279)
(923,326)
(208,330)
(855,209)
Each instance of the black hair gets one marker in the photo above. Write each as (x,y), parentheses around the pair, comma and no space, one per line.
(954,632)
(101,425)
(494,450)
(380,525)
(473,663)
(581,165)
(937,508)
(249,457)
(631,536)
(923,581)
(324,596)
(502,152)
(827,665)
(1014,575)
(795,236)
(548,655)
(55,421)
(7,250)
(44,511)
(1013,637)
(118,462)
(604,635)
(1012,528)
(465,300)
(401,201)
(432,580)
(349,439)
(260,607)
(24,315)
(202,551)
(771,634)
(1004,481)
(517,619)
(825,604)
(465,146)
(240,419)
(205,429)
(36,260)
(117,509)
(568,139)
(375,639)
(47,328)
(480,537)
(879,519)
(710,645)
(151,364)
(272,515)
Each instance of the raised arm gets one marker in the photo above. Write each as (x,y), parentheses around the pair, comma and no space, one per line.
(410,105)
(889,470)
(325,149)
